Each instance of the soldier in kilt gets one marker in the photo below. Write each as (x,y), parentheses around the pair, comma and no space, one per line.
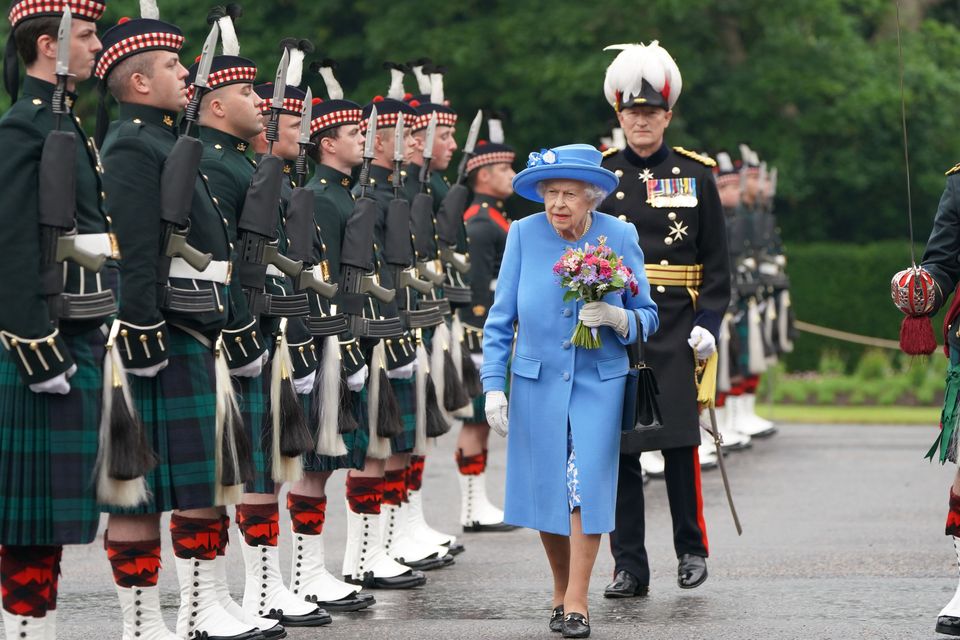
(490,178)
(431,103)
(400,353)
(50,364)
(232,124)
(670,195)
(172,315)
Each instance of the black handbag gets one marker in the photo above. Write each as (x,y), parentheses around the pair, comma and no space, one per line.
(641,410)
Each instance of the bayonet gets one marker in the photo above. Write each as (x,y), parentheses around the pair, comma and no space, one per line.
(200,86)
(304,138)
(428,152)
(468,148)
(398,148)
(64,34)
(279,89)
(369,150)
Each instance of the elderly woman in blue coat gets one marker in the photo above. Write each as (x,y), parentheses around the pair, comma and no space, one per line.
(565,402)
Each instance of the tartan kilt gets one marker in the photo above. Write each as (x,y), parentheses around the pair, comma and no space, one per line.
(356,441)
(406,392)
(253,396)
(48,451)
(178,408)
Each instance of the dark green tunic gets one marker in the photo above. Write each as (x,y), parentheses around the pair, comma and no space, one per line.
(48,443)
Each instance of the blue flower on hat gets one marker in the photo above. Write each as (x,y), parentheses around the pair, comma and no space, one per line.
(544,156)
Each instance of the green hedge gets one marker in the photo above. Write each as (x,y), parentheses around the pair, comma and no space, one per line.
(846,287)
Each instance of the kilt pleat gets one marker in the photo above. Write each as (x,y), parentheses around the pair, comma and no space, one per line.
(355,441)
(178,408)
(406,392)
(48,451)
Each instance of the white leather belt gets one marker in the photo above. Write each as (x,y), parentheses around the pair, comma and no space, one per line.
(101,244)
(216,271)
(273,271)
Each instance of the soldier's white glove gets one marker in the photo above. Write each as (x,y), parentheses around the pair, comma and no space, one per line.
(149,372)
(251,369)
(355,381)
(58,385)
(495,406)
(402,373)
(477,360)
(598,314)
(703,342)
(305,384)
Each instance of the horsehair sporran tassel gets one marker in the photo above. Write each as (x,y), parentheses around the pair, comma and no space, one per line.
(455,399)
(290,436)
(757,360)
(423,373)
(347,422)
(125,456)
(228,463)
(379,448)
(329,441)
(437,345)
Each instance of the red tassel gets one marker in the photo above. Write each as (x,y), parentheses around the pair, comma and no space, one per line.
(916,336)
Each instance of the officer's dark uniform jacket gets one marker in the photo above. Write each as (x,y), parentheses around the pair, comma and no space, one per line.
(24,314)
(942,259)
(672,199)
(487,226)
(403,349)
(333,205)
(134,151)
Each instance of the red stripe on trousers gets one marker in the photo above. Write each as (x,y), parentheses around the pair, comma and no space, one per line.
(696,481)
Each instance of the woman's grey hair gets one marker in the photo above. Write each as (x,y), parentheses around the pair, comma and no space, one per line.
(594,194)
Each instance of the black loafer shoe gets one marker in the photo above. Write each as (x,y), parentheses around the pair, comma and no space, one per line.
(317,618)
(476,527)
(575,625)
(691,571)
(406,580)
(625,585)
(949,625)
(556,619)
(353,602)
(429,563)
(274,633)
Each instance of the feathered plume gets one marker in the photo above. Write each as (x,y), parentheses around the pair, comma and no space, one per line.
(423,80)
(326,69)
(396,91)
(149,9)
(495,128)
(225,17)
(436,83)
(298,53)
(636,63)
(724,163)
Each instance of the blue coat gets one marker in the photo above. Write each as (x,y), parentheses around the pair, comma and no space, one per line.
(554,382)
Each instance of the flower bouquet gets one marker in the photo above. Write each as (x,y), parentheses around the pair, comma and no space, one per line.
(588,274)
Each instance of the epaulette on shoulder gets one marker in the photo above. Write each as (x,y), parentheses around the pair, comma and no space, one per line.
(953,170)
(609,152)
(704,160)
(129,128)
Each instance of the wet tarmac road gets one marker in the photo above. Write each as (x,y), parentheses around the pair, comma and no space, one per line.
(843,539)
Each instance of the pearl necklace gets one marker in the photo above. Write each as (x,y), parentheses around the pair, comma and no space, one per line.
(585,229)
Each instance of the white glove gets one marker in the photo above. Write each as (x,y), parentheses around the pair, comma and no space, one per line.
(355,381)
(477,360)
(598,314)
(703,342)
(58,385)
(495,406)
(251,369)
(149,372)
(402,373)
(305,384)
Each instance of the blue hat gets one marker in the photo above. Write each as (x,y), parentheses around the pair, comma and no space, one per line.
(569,162)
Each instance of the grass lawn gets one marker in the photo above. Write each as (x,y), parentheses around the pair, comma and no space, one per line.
(928,416)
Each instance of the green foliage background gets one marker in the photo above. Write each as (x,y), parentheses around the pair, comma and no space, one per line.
(812,84)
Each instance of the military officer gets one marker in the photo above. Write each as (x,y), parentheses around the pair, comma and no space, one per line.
(52,351)
(172,314)
(231,122)
(671,196)
(490,178)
